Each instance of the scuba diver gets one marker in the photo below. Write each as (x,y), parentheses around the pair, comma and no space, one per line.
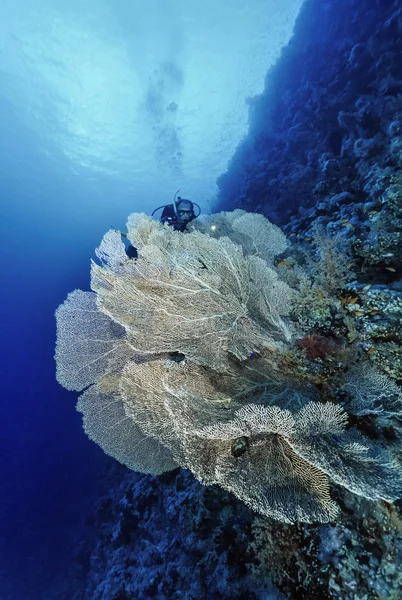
(176,215)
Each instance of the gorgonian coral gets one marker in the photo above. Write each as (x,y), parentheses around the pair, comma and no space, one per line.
(181,351)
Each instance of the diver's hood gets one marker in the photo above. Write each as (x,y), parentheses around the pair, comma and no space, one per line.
(184,204)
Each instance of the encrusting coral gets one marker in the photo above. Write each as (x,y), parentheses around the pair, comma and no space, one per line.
(184,356)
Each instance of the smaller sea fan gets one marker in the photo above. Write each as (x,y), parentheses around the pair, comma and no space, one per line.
(89,344)
(269,475)
(371,392)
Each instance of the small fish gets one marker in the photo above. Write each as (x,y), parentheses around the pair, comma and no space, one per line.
(348,300)
(367,287)
(375,312)
(350,265)
(308,239)
(282,263)
(388,255)
(359,313)
(371,351)
(292,234)
(373,212)
(391,269)
(344,221)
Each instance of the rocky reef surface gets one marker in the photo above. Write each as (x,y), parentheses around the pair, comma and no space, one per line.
(326,131)
(323,158)
(164,537)
(168,537)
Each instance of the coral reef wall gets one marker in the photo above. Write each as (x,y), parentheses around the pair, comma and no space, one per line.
(329,103)
(164,537)
(324,147)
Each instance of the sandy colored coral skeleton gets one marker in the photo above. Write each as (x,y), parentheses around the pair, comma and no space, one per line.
(213,298)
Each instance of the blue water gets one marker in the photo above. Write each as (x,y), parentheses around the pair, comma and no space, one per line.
(106,108)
